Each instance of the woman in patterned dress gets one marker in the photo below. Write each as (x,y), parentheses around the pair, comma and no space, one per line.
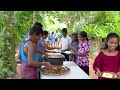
(83,52)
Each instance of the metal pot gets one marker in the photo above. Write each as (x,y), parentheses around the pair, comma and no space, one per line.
(55,59)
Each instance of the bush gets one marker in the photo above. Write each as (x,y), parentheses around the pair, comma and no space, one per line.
(5,72)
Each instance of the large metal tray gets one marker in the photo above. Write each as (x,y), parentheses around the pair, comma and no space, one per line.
(68,70)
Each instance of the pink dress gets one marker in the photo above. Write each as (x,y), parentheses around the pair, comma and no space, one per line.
(83,60)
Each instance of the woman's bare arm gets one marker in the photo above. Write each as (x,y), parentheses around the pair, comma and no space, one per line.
(80,54)
(42,52)
(31,52)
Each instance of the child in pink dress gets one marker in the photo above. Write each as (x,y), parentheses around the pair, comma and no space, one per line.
(108,60)
(83,52)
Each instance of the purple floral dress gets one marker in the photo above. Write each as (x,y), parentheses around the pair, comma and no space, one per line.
(83,48)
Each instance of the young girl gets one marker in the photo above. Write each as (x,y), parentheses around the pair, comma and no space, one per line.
(83,52)
(74,47)
(108,60)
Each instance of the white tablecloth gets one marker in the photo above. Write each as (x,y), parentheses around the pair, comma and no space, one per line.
(75,72)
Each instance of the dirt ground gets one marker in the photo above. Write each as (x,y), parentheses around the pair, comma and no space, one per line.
(91,71)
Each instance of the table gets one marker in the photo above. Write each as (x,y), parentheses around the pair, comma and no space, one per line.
(75,72)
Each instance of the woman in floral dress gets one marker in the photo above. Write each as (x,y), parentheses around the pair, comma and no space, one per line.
(83,52)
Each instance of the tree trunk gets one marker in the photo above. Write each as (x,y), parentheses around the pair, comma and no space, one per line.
(9,41)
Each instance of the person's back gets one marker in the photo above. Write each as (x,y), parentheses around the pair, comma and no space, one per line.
(52,38)
(22,54)
(56,35)
(24,63)
(36,24)
(57,39)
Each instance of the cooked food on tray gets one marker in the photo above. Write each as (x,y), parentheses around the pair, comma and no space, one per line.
(109,75)
(55,70)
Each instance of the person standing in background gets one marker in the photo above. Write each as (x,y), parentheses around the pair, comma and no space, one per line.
(52,37)
(60,35)
(65,43)
(49,39)
(56,38)
(74,47)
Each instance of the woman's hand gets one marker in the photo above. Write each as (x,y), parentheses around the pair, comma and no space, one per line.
(71,52)
(45,54)
(19,57)
(57,47)
(118,75)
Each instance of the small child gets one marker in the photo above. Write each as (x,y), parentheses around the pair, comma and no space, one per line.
(83,52)
(108,60)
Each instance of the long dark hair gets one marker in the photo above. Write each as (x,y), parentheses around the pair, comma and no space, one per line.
(109,36)
(38,24)
(84,35)
(36,30)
